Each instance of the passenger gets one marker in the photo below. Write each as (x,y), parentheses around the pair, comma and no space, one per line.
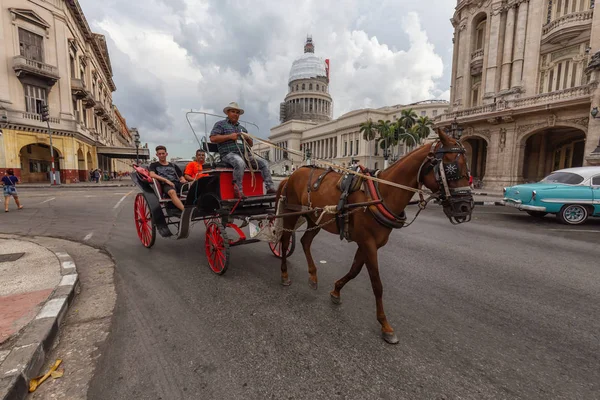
(193,170)
(168,175)
(228,135)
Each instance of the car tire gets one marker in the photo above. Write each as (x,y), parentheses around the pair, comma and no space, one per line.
(537,214)
(573,214)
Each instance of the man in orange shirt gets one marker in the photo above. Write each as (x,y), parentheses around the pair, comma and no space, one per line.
(193,170)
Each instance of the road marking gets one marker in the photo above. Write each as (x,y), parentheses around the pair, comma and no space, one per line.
(574,230)
(120,201)
(88,236)
(89,196)
(323,262)
(50,199)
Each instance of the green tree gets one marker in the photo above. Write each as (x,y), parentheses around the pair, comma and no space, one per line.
(423,127)
(369,131)
(407,118)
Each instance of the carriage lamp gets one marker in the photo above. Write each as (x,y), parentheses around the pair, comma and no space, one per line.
(594,112)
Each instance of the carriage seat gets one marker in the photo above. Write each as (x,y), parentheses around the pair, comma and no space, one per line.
(163,198)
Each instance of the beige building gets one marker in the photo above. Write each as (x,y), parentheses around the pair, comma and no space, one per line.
(524,86)
(340,140)
(49,55)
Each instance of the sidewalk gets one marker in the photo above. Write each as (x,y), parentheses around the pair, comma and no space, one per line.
(37,287)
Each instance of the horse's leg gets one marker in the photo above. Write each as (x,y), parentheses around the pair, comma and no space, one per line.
(357,265)
(371,260)
(306,241)
(288,223)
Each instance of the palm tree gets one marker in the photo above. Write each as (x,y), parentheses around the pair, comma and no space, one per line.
(369,131)
(407,118)
(386,130)
(424,125)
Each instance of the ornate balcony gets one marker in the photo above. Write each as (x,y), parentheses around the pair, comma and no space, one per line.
(567,27)
(560,98)
(89,101)
(24,67)
(477,62)
(99,109)
(78,88)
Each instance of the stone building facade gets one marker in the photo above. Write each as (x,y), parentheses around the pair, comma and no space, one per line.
(49,55)
(523,87)
(339,140)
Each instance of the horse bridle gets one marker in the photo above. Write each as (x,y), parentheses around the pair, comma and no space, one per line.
(457,202)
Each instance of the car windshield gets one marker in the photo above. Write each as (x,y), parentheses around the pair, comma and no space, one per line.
(568,178)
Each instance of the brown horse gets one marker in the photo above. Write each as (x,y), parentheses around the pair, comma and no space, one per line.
(441,167)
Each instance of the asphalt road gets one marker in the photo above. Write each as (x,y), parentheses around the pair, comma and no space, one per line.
(505,306)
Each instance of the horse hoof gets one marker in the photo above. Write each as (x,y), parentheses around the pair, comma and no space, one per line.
(313,285)
(286,282)
(335,299)
(390,337)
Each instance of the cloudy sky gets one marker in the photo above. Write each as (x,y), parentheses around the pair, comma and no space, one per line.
(172,56)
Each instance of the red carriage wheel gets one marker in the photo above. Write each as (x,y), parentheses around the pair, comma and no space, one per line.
(144,225)
(276,247)
(217,247)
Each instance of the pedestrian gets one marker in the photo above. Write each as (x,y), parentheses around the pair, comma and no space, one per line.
(97,175)
(9,181)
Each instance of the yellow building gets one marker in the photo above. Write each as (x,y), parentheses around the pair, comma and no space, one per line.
(50,56)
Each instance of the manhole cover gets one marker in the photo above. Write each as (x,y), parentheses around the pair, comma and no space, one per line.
(10,257)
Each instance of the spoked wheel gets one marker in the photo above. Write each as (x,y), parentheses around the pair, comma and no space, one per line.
(146,229)
(573,214)
(276,247)
(217,247)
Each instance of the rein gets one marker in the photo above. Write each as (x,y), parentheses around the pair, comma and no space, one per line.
(339,167)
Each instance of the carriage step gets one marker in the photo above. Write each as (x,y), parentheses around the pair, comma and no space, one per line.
(268,198)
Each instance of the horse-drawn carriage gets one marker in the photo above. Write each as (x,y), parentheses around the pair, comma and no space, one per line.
(209,199)
(364,213)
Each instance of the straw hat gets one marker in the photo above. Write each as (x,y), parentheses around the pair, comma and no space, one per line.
(233,106)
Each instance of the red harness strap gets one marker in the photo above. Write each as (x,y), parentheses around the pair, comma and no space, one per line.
(381,213)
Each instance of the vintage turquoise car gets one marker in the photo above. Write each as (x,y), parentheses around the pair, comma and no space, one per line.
(573,194)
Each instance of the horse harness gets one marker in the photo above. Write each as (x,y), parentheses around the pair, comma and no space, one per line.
(349,183)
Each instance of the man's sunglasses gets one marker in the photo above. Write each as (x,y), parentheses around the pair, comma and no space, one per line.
(235,111)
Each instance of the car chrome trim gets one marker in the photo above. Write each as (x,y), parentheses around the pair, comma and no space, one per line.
(522,207)
(568,201)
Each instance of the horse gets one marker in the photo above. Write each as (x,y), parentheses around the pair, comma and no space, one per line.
(440,166)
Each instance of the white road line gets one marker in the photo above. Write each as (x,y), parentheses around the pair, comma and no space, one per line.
(50,199)
(88,236)
(120,201)
(574,230)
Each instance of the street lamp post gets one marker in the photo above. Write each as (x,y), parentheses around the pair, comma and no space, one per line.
(136,138)
(455,130)
(46,118)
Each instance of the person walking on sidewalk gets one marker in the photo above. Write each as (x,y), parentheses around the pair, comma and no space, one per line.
(9,181)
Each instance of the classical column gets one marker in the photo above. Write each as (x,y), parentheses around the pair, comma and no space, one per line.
(519,55)
(492,56)
(509,35)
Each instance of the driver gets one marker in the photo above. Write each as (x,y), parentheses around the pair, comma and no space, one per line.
(227,134)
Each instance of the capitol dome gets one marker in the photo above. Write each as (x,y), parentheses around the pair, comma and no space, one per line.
(308,66)
(308,96)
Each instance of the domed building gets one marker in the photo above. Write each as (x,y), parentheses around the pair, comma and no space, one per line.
(307,124)
(308,96)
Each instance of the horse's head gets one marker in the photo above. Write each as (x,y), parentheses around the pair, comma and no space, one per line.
(445,172)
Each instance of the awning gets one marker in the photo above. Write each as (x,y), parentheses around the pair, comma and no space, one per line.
(123,152)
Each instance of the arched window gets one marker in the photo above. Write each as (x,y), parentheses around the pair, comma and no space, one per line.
(303,86)
(296,87)
(310,86)
(317,86)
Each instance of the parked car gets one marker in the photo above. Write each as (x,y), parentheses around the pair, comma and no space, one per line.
(573,194)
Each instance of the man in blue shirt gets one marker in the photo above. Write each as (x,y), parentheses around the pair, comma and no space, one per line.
(229,136)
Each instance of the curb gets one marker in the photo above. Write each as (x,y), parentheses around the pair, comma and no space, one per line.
(23,362)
